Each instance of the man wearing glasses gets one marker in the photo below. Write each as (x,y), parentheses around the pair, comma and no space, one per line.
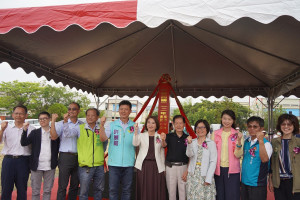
(43,160)
(255,166)
(15,165)
(68,157)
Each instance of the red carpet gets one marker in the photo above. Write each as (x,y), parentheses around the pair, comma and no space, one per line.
(53,193)
(55,186)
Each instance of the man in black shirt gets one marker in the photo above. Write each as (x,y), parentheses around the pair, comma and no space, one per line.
(176,159)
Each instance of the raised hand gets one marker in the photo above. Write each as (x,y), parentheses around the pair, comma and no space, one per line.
(136,127)
(66,117)
(102,120)
(239,136)
(4,125)
(25,126)
(163,136)
(54,117)
(260,136)
(189,139)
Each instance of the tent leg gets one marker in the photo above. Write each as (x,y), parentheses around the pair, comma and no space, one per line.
(271,101)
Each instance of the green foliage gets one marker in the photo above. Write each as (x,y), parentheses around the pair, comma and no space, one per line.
(102,113)
(82,113)
(38,96)
(211,111)
(59,109)
(276,113)
(155,113)
(16,93)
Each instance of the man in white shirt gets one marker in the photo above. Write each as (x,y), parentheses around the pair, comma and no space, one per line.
(255,166)
(44,157)
(15,165)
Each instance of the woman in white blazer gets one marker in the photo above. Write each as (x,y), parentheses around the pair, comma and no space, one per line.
(150,162)
(203,160)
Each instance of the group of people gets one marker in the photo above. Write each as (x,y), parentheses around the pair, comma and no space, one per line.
(172,165)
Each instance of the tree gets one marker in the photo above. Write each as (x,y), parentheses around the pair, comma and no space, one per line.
(59,109)
(155,113)
(276,113)
(211,111)
(38,96)
(18,93)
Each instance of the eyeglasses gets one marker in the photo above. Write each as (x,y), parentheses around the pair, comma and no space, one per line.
(200,127)
(22,114)
(73,109)
(43,119)
(286,124)
(252,126)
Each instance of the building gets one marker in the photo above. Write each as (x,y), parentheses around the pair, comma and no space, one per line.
(290,105)
(4,114)
(112,110)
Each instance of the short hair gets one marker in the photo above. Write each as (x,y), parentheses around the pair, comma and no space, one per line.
(231,114)
(95,109)
(75,104)
(257,119)
(155,120)
(177,117)
(292,118)
(44,113)
(20,106)
(206,124)
(125,102)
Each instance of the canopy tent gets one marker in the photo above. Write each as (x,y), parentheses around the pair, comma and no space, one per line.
(209,48)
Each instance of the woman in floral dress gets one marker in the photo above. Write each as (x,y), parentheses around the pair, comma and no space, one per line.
(203,159)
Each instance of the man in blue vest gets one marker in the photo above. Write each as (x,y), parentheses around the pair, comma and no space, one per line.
(255,167)
(121,152)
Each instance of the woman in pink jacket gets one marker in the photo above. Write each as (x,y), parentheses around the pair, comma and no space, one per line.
(229,144)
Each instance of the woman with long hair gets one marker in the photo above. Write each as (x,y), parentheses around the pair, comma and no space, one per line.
(229,144)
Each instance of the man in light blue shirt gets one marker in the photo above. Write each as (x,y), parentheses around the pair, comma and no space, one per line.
(68,157)
(121,152)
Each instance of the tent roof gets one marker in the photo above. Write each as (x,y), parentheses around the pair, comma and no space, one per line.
(245,57)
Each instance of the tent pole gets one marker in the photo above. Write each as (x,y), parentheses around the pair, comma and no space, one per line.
(271,100)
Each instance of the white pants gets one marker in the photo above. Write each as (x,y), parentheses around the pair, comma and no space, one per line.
(174,179)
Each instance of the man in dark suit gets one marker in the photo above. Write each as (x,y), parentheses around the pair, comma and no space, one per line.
(44,156)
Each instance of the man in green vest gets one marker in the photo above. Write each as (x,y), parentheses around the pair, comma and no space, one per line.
(90,154)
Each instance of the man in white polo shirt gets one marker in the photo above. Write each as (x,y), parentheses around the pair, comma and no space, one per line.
(15,165)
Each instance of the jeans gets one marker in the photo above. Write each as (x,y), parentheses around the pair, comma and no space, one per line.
(86,175)
(117,175)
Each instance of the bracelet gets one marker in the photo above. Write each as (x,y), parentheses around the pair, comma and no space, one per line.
(238,146)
